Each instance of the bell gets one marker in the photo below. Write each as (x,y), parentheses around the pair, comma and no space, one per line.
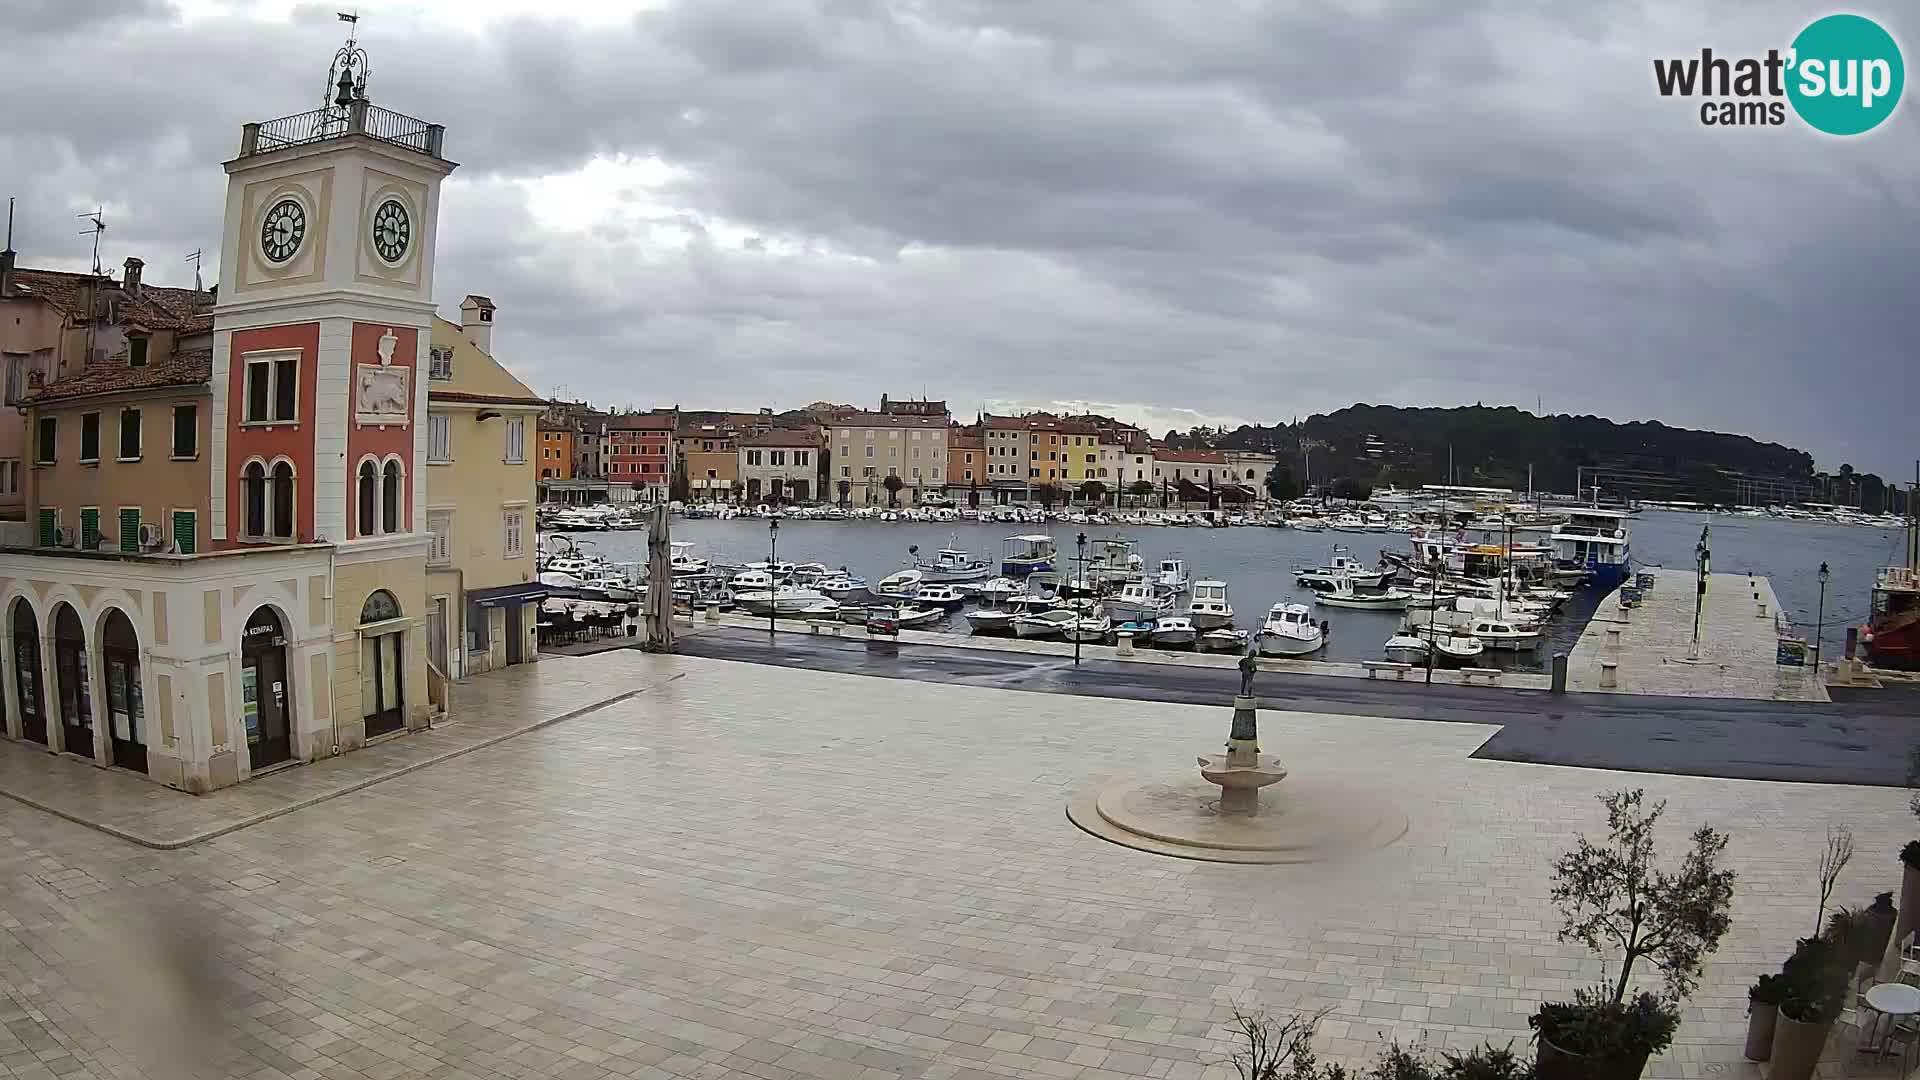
(345,97)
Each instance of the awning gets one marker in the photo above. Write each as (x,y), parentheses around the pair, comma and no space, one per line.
(502,595)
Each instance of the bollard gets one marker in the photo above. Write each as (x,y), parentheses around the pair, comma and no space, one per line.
(1609,675)
(1613,641)
(1123,644)
(1559,673)
(713,612)
(1853,642)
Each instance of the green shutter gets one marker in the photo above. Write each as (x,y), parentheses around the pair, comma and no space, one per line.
(49,521)
(89,530)
(130,530)
(183,531)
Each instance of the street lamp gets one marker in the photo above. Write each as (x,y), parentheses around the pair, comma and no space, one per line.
(1081,543)
(1434,565)
(1820,620)
(773,561)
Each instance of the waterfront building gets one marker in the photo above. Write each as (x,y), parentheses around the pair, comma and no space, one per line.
(1035,451)
(275,611)
(1183,477)
(966,464)
(780,466)
(1249,469)
(483,590)
(640,456)
(864,449)
(556,450)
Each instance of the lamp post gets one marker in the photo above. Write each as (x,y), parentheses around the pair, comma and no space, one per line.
(773,560)
(1080,542)
(1433,601)
(1820,619)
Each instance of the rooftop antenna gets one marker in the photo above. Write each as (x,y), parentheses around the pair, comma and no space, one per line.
(99,226)
(9,246)
(194,258)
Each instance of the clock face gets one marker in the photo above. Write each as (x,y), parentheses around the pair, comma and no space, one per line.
(392,231)
(282,231)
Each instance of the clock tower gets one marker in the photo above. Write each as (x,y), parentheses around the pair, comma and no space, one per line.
(317,432)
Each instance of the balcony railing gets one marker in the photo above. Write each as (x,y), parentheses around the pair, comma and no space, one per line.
(360,118)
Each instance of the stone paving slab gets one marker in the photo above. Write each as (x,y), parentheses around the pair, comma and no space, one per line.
(486,709)
(778,873)
(1737,644)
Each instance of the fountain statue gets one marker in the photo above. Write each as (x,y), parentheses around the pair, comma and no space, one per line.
(1243,770)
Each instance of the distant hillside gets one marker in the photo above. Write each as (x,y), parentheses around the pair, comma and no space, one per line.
(1375,445)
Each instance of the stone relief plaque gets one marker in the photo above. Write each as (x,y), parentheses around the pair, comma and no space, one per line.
(380,394)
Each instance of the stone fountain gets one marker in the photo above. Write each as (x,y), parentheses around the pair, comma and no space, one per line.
(1219,816)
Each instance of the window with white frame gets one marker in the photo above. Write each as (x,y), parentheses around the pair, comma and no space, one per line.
(440,363)
(516,439)
(439,437)
(440,526)
(272,390)
(514,523)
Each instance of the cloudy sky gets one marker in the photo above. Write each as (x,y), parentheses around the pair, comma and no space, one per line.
(1178,212)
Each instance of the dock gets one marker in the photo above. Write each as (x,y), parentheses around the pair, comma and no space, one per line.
(1653,651)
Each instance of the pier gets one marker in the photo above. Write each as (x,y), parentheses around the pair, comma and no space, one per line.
(1650,648)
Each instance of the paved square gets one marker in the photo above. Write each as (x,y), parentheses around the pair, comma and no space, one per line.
(756,871)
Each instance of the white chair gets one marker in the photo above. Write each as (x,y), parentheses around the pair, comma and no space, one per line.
(1909,960)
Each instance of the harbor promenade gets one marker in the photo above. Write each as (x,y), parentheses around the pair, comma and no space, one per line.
(1653,650)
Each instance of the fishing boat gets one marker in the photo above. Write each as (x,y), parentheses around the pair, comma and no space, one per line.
(1089,628)
(904,585)
(785,600)
(1050,623)
(1225,639)
(1115,562)
(1028,554)
(943,596)
(1140,631)
(843,588)
(682,560)
(1140,602)
(1208,607)
(1290,631)
(1595,541)
(953,564)
(1175,631)
(1407,649)
(1342,567)
(1343,595)
(1171,579)
(1892,633)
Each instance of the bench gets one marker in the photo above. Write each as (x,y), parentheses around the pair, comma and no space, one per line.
(1374,667)
(1468,674)
(825,626)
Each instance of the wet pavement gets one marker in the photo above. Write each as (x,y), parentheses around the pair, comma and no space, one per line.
(1862,740)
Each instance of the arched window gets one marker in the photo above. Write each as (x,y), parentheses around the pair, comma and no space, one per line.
(380,607)
(369,482)
(283,501)
(390,498)
(253,496)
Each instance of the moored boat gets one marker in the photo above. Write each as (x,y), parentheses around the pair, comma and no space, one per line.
(1174,631)
(1027,554)
(1290,631)
(1343,595)
(1140,602)
(1050,623)
(1225,639)
(940,595)
(1208,607)
(904,585)
(953,564)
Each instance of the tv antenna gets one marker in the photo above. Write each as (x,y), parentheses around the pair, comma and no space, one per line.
(194,258)
(98,218)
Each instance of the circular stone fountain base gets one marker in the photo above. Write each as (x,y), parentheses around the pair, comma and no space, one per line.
(1299,820)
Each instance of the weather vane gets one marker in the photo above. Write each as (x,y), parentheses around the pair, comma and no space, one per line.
(347,76)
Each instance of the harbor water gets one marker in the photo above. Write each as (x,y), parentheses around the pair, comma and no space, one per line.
(1258,564)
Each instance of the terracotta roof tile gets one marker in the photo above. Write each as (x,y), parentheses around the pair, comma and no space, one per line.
(113,377)
(156,308)
(642,422)
(783,437)
(868,419)
(458,396)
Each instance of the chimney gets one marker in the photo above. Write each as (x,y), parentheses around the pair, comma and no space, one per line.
(131,282)
(476,322)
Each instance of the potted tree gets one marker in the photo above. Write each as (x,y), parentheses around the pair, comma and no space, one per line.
(1815,978)
(1614,899)
(1763,1008)
(1880,917)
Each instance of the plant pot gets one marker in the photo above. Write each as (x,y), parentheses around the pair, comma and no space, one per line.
(1878,932)
(1553,1063)
(1909,901)
(1797,1047)
(1760,1022)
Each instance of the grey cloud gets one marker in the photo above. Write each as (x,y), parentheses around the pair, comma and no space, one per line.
(1248,209)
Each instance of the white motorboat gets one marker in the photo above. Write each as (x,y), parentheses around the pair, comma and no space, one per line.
(940,595)
(1342,567)
(1171,578)
(993,620)
(1174,630)
(785,600)
(1458,650)
(1208,607)
(904,585)
(915,615)
(1344,595)
(1224,639)
(1050,623)
(750,581)
(953,564)
(1492,633)
(682,560)
(1027,554)
(560,579)
(843,588)
(1140,632)
(1138,601)
(1115,562)
(1407,649)
(1089,628)
(1290,631)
